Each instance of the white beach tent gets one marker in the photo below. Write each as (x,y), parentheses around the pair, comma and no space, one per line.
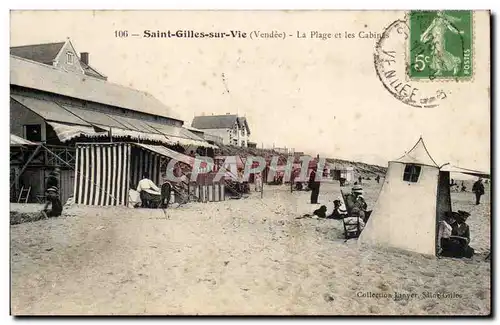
(414,197)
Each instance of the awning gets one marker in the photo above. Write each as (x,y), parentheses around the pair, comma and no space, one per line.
(174,134)
(455,169)
(48,110)
(137,135)
(66,132)
(169,153)
(231,160)
(94,117)
(180,135)
(18,141)
(69,116)
(134,124)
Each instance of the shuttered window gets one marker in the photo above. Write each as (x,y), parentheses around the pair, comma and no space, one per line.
(411,173)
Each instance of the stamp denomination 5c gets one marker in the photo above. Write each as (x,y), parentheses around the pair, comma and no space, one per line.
(441,44)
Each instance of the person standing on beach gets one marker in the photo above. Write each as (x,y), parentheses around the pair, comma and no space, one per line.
(258,182)
(314,186)
(478,189)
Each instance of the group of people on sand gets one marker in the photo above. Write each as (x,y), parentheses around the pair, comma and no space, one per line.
(454,235)
(151,195)
(355,214)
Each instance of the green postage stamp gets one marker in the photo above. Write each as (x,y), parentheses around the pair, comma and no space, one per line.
(441,44)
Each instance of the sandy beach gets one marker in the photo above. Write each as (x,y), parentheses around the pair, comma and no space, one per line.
(248,256)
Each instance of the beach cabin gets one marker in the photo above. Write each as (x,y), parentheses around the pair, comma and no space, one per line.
(105,172)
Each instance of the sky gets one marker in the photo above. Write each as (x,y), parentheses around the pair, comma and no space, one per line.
(318,96)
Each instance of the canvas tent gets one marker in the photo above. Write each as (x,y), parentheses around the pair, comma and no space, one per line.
(415,194)
(344,171)
(105,172)
(414,197)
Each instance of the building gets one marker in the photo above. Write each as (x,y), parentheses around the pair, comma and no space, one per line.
(285,151)
(58,99)
(232,129)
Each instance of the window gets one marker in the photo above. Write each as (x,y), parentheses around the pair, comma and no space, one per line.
(69,58)
(411,174)
(33,132)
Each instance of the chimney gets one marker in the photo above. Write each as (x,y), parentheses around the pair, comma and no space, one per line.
(84,57)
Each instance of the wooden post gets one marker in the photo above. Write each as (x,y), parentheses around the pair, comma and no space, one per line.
(262,189)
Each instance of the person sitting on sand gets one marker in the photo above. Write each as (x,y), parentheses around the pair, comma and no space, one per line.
(148,191)
(444,231)
(457,244)
(54,201)
(352,222)
(350,198)
(338,213)
(319,213)
(356,204)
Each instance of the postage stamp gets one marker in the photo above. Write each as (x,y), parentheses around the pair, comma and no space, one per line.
(391,66)
(441,44)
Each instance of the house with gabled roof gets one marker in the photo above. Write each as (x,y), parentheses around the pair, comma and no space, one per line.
(61,55)
(230,128)
(57,98)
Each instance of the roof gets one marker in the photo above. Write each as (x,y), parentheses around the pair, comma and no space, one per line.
(214,122)
(192,129)
(456,169)
(43,53)
(219,122)
(30,74)
(169,153)
(18,141)
(243,121)
(91,71)
(66,132)
(49,110)
(418,155)
(70,121)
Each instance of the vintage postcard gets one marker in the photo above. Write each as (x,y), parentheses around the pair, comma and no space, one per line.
(250,162)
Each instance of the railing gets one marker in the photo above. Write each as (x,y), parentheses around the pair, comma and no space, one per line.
(58,155)
(47,155)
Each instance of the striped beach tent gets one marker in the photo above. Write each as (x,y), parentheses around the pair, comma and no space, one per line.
(105,172)
(102,172)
